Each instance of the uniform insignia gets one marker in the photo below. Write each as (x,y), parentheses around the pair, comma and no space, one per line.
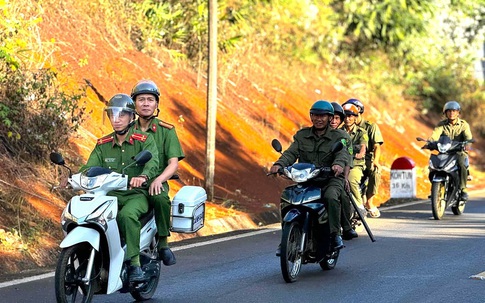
(104,140)
(165,124)
(139,137)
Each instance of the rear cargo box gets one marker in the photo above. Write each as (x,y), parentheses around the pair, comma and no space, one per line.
(188,209)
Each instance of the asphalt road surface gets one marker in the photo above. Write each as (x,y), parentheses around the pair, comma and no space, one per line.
(415,259)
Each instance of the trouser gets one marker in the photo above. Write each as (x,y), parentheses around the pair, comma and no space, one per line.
(161,205)
(355,176)
(346,211)
(463,163)
(132,204)
(374,175)
(332,193)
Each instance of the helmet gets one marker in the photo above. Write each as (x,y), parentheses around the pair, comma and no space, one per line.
(350,109)
(451,105)
(357,103)
(338,110)
(322,107)
(145,87)
(118,104)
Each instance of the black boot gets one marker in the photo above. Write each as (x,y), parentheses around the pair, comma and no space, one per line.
(166,255)
(349,234)
(135,274)
(337,242)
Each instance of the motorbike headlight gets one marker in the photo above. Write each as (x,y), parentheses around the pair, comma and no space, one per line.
(444,147)
(301,175)
(430,163)
(67,217)
(98,216)
(90,183)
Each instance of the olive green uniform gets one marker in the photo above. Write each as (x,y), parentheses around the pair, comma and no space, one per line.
(169,147)
(132,203)
(460,131)
(374,173)
(359,137)
(307,147)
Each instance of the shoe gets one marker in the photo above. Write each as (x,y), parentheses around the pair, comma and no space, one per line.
(337,242)
(349,234)
(469,178)
(135,274)
(166,255)
(374,212)
(278,251)
(464,196)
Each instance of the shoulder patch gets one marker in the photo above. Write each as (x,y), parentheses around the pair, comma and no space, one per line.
(165,124)
(139,137)
(104,140)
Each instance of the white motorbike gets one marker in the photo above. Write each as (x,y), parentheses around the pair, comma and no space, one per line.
(92,260)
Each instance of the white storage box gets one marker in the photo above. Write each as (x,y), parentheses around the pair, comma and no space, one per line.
(188,209)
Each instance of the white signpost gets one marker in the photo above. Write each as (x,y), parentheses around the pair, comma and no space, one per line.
(403,178)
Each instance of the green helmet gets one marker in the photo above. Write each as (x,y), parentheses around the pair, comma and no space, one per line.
(322,107)
(145,87)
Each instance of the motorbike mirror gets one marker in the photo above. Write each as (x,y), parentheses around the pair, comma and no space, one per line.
(57,158)
(276,145)
(337,146)
(142,157)
(421,139)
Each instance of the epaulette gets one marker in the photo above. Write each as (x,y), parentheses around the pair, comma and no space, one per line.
(105,140)
(139,137)
(165,124)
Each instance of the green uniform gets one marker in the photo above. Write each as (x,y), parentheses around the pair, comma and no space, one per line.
(375,137)
(359,138)
(344,198)
(460,131)
(307,147)
(132,203)
(169,147)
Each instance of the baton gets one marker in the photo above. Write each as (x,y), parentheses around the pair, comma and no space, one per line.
(367,229)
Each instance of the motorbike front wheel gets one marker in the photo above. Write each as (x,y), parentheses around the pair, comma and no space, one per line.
(71,268)
(291,258)
(438,202)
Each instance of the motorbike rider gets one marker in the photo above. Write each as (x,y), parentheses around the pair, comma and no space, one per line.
(115,151)
(338,118)
(458,130)
(146,96)
(372,157)
(359,138)
(312,145)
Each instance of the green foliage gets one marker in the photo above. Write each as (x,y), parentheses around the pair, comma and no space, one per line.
(36,115)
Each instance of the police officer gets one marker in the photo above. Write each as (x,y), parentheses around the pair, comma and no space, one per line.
(458,130)
(146,96)
(359,138)
(312,145)
(338,118)
(372,157)
(115,151)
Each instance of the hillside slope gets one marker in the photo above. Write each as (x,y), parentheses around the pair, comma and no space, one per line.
(259,99)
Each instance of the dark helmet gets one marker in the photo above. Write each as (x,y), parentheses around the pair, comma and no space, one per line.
(322,107)
(451,105)
(121,103)
(357,103)
(338,110)
(145,87)
(351,110)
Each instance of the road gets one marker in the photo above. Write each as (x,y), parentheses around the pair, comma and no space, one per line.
(415,259)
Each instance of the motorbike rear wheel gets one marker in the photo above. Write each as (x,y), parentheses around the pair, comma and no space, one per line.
(146,290)
(71,268)
(291,258)
(458,209)
(330,260)
(438,202)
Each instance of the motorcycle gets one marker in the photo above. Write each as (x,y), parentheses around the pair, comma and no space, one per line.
(444,174)
(92,259)
(305,228)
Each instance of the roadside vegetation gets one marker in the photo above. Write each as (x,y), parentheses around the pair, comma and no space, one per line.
(423,49)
